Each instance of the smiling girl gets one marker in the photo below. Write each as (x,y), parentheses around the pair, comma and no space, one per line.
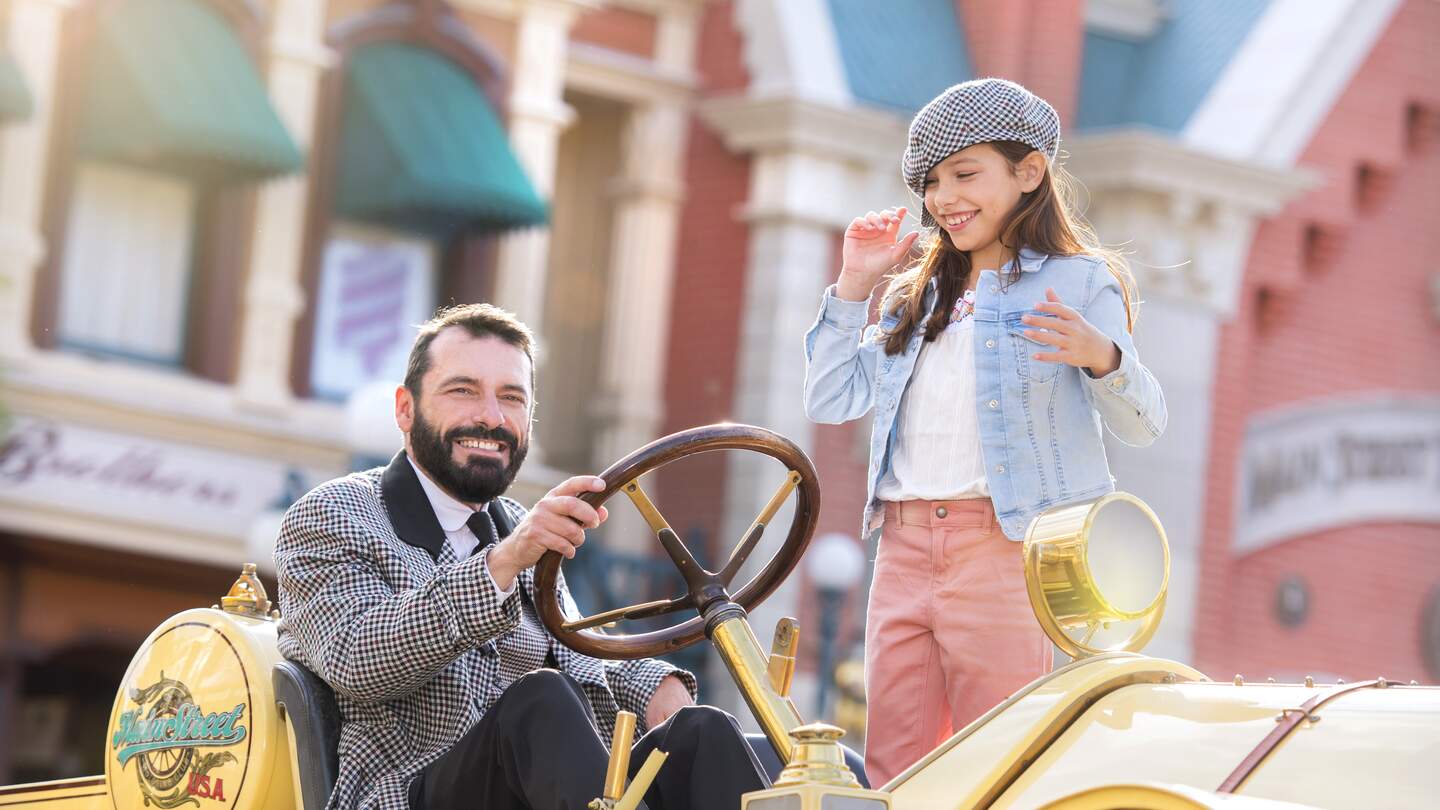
(997,356)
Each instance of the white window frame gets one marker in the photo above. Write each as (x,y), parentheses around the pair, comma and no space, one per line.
(128,264)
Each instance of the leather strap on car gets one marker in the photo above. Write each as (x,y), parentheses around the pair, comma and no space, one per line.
(1288,721)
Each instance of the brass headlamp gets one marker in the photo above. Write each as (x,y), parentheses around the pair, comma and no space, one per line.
(1060,574)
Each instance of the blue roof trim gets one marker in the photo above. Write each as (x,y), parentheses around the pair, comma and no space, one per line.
(1161,81)
(899,54)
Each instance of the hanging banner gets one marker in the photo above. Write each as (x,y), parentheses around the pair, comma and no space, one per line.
(375,289)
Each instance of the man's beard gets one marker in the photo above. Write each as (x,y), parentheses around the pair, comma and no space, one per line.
(479,480)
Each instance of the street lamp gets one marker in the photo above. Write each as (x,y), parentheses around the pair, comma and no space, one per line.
(835,564)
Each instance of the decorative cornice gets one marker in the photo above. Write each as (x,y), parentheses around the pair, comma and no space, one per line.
(1141,159)
(1189,217)
(851,134)
(623,77)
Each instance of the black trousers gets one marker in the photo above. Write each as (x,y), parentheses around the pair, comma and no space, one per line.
(537,748)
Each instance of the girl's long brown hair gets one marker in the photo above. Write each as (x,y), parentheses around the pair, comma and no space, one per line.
(1045,220)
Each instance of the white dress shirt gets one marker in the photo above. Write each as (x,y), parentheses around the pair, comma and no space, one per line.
(937,454)
(453,515)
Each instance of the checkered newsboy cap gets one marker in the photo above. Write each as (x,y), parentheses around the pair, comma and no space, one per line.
(975,112)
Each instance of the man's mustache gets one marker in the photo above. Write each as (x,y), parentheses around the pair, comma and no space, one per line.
(495,434)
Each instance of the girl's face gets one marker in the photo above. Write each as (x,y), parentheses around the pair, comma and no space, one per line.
(972,191)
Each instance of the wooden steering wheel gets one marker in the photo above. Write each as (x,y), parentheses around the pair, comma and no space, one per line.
(708,591)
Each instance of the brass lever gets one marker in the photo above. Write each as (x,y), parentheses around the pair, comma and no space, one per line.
(642,780)
(619,766)
(782,655)
(617,796)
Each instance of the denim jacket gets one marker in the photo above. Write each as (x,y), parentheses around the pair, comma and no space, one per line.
(1039,421)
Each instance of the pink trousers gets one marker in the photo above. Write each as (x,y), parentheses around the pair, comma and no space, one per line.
(949,630)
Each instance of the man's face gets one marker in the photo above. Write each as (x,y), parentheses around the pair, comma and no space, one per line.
(469,428)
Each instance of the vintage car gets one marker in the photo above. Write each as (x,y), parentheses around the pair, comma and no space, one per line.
(210,715)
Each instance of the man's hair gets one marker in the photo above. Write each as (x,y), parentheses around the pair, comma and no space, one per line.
(480,320)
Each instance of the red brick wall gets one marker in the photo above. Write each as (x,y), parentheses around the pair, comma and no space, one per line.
(706,312)
(1336,299)
(1037,43)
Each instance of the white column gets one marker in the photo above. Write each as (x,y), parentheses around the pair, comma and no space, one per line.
(791,257)
(677,34)
(630,406)
(538,114)
(814,166)
(648,197)
(1188,219)
(274,295)
(34,42)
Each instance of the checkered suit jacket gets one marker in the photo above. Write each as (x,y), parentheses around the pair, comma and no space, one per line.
(374,601)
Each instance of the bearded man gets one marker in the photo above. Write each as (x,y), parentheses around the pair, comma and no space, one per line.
(409,589)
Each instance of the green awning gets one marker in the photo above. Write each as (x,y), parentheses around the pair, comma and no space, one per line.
(171,87)
(423,150)
(15,100)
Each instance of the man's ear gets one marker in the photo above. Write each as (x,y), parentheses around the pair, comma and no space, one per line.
(404,409)
(1030,171)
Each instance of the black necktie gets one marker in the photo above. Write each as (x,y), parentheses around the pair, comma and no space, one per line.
(482,527)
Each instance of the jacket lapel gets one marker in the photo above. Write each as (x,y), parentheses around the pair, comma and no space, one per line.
(410,513)
(503,523)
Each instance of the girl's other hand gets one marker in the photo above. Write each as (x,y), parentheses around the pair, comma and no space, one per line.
(871,250)
(1077,341)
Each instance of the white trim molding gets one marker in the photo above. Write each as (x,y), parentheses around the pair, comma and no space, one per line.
(771,123)
(1135,20)
(130,398)
(623,77)
(814,162)
(790,49)
(1291,69)
(512,9)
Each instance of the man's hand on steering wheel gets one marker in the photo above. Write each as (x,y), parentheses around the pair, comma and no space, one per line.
(557,523)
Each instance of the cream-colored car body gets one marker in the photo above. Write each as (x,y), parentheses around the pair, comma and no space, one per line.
(1117,730)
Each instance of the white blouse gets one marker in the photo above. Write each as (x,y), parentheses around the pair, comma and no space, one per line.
(937,454)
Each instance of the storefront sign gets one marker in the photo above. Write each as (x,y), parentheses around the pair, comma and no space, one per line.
(1316,467)
(142,480)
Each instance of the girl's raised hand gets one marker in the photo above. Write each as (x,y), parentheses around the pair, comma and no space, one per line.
(1077,341)
(871,250)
